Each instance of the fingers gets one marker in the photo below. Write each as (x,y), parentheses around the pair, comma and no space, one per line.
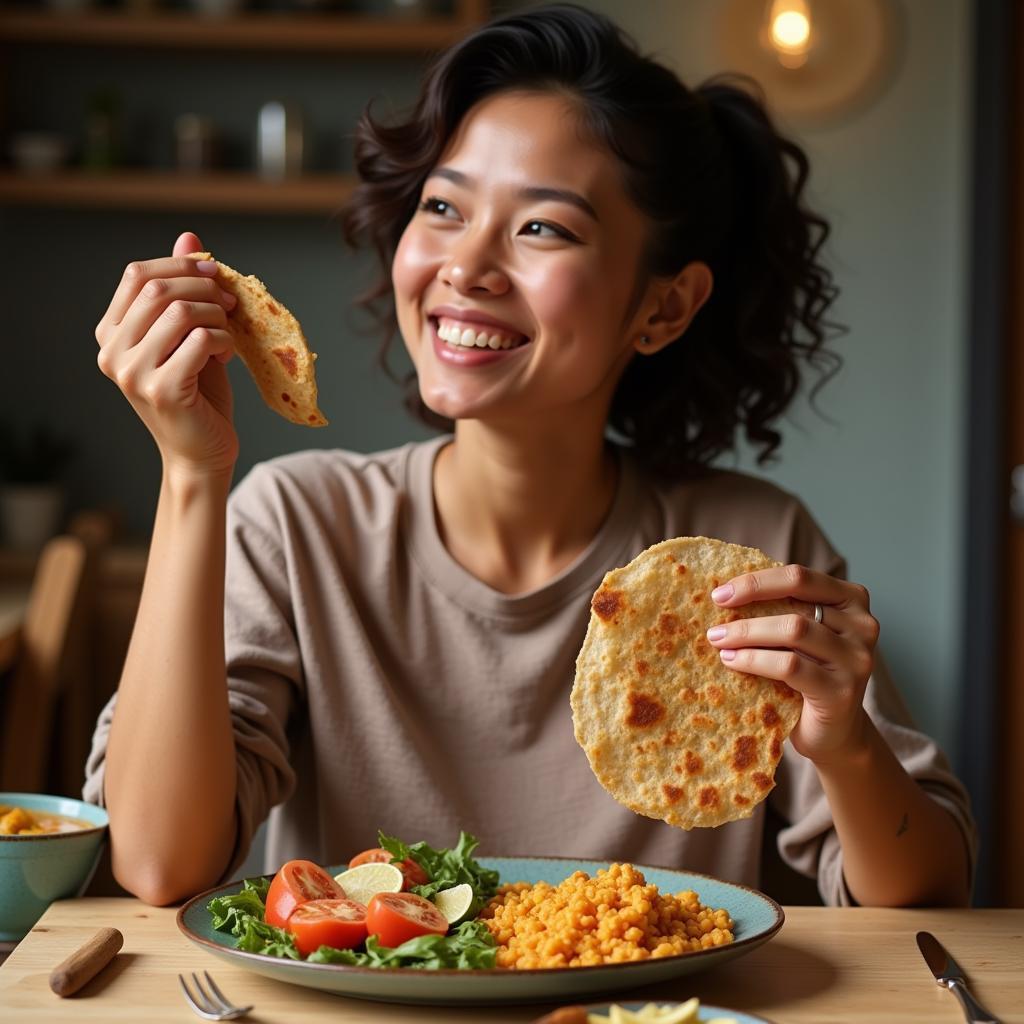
(795,631)
(175,305)
(135,277)
(789,667)
(785,581)
(187,241)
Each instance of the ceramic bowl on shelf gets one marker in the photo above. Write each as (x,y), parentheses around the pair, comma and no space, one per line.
(38,152)
(37,868)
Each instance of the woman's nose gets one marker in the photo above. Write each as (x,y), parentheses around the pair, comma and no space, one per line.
(472,266)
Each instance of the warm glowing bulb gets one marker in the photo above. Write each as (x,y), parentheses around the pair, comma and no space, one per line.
(791,30)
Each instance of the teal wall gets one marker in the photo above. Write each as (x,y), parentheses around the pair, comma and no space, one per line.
(884,478)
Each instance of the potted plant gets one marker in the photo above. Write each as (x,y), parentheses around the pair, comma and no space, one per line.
(31,485)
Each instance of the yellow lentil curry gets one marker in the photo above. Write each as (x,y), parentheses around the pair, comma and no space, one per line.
(18,821)
(613,917)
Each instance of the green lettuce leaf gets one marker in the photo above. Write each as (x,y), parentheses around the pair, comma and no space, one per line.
(446,868)
(470,946)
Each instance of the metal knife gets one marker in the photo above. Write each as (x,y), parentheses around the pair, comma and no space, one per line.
(948,974)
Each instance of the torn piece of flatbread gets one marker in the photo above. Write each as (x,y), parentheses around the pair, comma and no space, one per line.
(669,731)
(270,342)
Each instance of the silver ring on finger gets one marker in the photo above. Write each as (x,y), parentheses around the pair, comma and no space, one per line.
(819,613)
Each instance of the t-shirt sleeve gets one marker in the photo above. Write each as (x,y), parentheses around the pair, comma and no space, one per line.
(809,842)
(264,671)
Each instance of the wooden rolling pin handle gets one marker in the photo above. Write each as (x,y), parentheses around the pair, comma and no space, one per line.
(86,962)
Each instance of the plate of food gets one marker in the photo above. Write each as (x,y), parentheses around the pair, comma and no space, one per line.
(413,924)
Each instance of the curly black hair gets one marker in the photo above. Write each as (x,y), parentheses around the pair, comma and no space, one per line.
(718,183)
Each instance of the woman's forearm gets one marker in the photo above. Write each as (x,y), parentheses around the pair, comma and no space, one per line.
(170,778)
(900,847)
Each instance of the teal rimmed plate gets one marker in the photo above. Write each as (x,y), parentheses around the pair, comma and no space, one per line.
(757,918)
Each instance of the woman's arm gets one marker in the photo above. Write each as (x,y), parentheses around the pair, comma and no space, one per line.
(170,763)
(900,847)
(170,773)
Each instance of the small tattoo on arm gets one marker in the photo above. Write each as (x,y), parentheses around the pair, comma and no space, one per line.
(904,825)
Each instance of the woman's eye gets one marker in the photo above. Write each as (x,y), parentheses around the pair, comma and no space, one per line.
(439,206)
(542,229)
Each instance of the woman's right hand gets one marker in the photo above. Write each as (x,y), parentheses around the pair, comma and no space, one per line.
(164,341)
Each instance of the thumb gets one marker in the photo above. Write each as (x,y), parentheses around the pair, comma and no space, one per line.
(187,242)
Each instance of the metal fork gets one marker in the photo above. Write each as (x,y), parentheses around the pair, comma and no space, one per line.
(212,1005)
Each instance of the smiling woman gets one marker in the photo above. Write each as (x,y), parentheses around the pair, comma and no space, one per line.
(601,276)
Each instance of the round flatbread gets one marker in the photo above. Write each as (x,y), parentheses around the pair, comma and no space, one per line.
(270,342)
(669,731)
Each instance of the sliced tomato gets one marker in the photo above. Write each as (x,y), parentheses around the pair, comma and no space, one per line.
(297,882)
(414,874)
(396,917)
(338,923)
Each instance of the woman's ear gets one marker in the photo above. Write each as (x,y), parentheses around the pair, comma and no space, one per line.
(676,301)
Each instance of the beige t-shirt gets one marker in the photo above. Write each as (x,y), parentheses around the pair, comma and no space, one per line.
(376,684)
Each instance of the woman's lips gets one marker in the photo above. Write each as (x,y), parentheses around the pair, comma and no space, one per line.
(458,355)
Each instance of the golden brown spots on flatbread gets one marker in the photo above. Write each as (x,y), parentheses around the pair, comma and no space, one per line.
(606,603)
(708,796)
(272,309)
(744,752)
(761,781)
(656,699)
(287,357)
(644,711)
(673,794)
(668,624)
(769,715)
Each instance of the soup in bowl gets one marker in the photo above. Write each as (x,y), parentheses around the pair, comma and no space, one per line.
(49,849)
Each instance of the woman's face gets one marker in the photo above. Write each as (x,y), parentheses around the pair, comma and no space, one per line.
(513,279)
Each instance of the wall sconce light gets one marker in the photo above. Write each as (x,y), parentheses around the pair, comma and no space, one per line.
(817,60)
(787,31)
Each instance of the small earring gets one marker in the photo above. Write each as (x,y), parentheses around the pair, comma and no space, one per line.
(644,340)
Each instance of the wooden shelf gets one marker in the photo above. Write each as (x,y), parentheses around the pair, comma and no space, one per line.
(298,32)
(220,192)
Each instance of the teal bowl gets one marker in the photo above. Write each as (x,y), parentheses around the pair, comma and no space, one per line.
(35,870)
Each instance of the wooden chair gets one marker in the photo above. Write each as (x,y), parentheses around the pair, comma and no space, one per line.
(53,642)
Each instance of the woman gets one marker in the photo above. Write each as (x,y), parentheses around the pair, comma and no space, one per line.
(575,245)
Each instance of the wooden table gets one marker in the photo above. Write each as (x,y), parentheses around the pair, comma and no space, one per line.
(826,966)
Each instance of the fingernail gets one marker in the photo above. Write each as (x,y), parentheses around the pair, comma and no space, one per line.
(716,632)
(727,654)
(228,298)
(723,593)
(208,267)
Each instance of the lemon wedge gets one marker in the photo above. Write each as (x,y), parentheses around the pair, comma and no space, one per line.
(366,880)
(454,903)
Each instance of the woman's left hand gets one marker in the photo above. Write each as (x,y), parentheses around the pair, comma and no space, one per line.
(828,662)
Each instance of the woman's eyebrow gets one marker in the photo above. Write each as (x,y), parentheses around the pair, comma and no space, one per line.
(561,195)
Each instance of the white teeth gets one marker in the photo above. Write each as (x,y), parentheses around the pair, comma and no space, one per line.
(468,338)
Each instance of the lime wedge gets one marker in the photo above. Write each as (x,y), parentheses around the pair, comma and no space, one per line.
(454,902)
(369,879)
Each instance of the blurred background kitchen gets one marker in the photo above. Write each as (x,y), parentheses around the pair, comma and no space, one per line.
(125,122)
